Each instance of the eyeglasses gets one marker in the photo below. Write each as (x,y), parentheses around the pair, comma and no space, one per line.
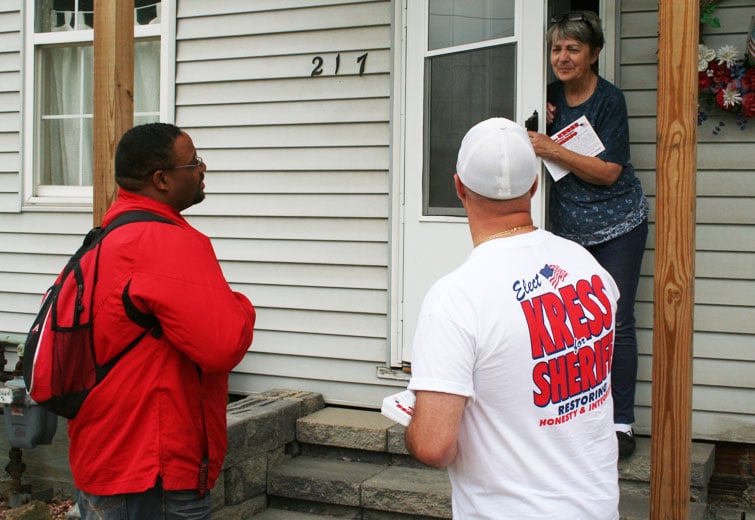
(574,16)
(197,162)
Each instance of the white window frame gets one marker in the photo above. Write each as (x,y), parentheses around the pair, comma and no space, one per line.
(64,197)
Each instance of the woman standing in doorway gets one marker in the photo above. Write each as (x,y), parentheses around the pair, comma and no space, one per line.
(600,203)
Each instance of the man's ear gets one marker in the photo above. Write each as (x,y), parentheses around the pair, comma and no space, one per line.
(159,180)
(533,189)
(460,188)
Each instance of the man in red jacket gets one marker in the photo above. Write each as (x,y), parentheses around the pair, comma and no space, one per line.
(149,441)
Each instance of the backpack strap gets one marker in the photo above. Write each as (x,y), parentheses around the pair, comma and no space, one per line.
(143,319)
(148,322)
(96,234)
(102,370)
(137,215)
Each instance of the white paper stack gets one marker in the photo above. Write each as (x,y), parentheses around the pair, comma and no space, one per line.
(579,137)
(399,407)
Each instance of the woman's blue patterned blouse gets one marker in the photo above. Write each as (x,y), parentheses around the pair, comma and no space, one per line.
(588,213)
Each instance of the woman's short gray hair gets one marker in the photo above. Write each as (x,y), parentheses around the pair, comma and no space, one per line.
(583,26)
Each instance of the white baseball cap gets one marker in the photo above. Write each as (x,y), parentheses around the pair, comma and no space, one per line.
(496,159)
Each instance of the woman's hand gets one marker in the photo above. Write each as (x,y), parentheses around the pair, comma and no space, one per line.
(544,146)
(550,112)
(591,169)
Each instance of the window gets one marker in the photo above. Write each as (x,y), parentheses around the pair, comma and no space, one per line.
(470,75)
(59,114)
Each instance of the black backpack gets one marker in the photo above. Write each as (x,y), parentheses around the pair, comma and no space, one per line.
(59,364)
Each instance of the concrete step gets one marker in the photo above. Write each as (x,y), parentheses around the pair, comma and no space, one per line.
(344,488)
(354,434)
(355,460)
(347,428)
(634,472)
(367,436)
(283,514)
(633,507)
(349,485)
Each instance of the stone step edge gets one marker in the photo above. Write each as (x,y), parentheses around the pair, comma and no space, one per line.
(638,508)
(391,489)
(417,491)
(371,431)
(284,514)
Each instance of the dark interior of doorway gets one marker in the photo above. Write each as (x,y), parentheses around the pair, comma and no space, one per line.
(586,5)
(559,6)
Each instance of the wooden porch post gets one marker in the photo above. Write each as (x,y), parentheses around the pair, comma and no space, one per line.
(113,93)
(676,168)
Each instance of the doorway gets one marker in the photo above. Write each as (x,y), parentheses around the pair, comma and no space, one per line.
(432,234)
(464,62)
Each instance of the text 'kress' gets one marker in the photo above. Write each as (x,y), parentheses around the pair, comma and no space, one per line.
(571,336)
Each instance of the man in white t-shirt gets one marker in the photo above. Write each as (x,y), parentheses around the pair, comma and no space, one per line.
(512,355)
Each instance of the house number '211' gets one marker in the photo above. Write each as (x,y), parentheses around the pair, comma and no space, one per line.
(318,62)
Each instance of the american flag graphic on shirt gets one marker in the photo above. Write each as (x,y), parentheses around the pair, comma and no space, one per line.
(554,274)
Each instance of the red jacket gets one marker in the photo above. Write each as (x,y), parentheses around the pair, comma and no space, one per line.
(146,418)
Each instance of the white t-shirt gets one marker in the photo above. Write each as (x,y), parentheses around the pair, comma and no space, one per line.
(524,329)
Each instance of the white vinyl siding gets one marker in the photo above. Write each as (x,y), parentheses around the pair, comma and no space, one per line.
(724,316)
(20,266)
(10,104)
(297,185)
(35,246)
